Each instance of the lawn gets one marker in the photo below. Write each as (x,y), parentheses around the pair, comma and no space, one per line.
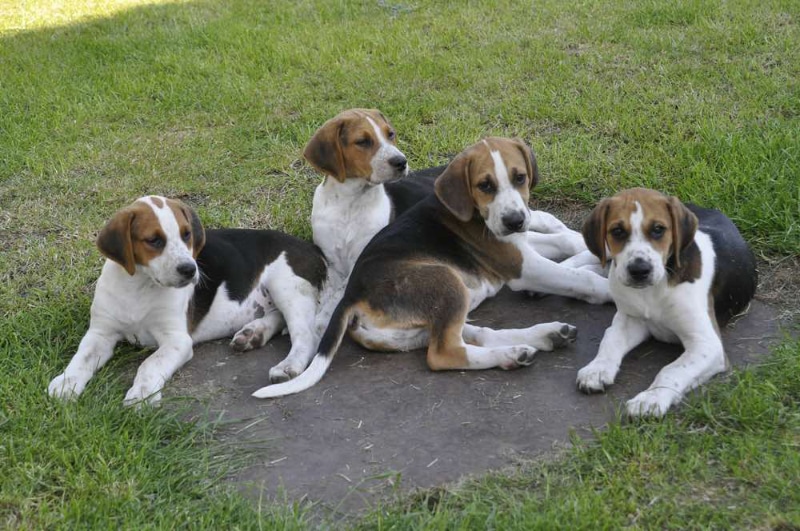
(212,101)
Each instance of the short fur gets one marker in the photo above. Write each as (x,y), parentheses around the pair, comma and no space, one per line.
(677,273)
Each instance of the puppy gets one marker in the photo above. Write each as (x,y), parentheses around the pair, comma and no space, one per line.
(416,281)
(677,273)
(168,283)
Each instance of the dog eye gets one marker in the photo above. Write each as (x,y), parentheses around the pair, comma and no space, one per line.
(519,178)
(486,186)
(364,142)
(618,233)
(186,235)
(657,231)
(156,242)
(390,135)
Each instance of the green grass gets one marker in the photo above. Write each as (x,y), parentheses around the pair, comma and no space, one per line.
(212,101)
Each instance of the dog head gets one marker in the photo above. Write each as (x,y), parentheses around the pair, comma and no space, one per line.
(640,230)
(155,236)
(493,178)
(357,144)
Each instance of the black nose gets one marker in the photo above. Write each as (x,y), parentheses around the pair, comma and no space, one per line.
(514,221)
(639,269)
(398,162)
(186,269)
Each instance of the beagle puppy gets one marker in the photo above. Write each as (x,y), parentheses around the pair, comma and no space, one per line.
(417,280)
(678,272)
(168,283)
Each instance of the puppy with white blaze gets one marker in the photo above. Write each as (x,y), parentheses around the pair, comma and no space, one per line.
(678,272)
(419,277)
(168,283)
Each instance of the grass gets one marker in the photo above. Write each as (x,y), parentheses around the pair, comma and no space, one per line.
(211,101)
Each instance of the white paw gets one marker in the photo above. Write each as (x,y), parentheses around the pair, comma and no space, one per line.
(143,393)
(248,338)
(517,357)
(551,336)
(651,403)
(65,388)
(595,377)
(284,371)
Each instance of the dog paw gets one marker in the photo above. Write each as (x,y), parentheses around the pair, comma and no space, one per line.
(566,333)
(247,338)
(65,388)
(517,357)
(143,393)
(651,403)
(283,372)
(595,377)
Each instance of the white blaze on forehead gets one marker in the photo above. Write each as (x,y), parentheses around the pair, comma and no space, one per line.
(378,131)
(500,170)
(637,216)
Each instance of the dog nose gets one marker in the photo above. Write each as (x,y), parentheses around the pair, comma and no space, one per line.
(186,269)
(639,269)
(398,162)
(514,221)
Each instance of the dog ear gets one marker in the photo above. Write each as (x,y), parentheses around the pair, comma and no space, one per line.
(114,240)
(453,190)
(594,230)
(324,150)
(684,226)
(530,161)
(198,232)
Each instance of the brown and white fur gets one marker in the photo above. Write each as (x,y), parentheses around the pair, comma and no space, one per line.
(677,273)
(168,283)
(416,281)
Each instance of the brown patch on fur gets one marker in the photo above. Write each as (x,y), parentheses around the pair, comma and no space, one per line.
(343,147)
(691,268)
(188,224)
(376,319)
(447,352)
(459,186)
(121,240)
(157,201)
(497,260)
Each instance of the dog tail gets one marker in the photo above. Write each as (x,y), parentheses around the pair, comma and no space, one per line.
(328,346)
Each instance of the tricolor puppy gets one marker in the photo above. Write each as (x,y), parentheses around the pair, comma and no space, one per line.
(677,273)
(416,281)
(168,283)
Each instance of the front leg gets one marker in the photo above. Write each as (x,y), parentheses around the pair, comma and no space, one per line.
(545,336)
(546,223)
(624,334)
(174,350)
(95,349)
(541,275)
(704,357)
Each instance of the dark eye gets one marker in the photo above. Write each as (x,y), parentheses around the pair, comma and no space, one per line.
(519,178)
(618,233)
(156,242)
(657,231)
(390,135)
(186,235)
(486,186)
(364,142)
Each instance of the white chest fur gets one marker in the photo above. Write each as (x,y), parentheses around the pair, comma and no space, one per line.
(344,218)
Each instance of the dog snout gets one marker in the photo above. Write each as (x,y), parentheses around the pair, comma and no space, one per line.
(187,269)
(398,162)
(639,270)
(514,221)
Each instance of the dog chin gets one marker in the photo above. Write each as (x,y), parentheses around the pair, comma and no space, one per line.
(393,177)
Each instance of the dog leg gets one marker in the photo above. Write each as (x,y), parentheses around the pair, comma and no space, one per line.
(624,334)
(546,336)
(296,299)
(541,275)
(546,223)
(704,357)
(447,351)
(95,349)
(174,351)
(258,332)
(558,246)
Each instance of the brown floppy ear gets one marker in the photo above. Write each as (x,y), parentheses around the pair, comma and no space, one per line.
(594,230)
(530,161)
(324,150)
(684,226)
(452,188)
(114,240)
(198,232)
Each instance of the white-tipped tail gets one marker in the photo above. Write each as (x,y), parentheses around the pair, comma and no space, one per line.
(308,378)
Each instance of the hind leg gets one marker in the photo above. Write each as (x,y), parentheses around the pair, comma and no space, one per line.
(546,336)
(258,332)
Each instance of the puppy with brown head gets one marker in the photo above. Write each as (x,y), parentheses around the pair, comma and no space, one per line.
(677,272)
(416,281)
(150,293)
